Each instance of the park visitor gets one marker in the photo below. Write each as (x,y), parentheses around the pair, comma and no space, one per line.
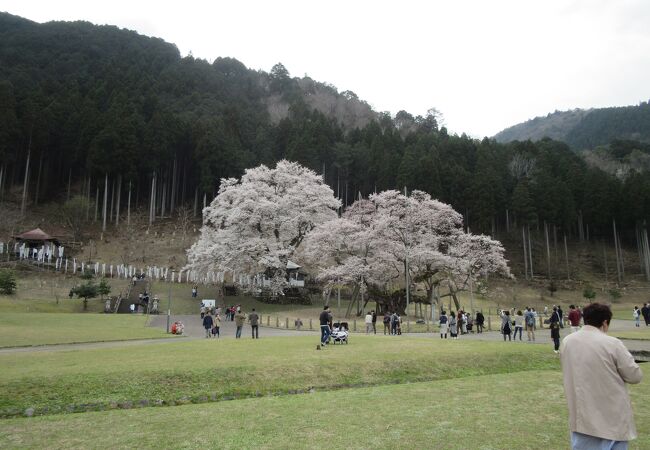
(453,325)
(470,323)
(529,317)
(574,318)
(519,324)
(203,310)
(298,323)
(560,313)
(554,325)
(394,321)
(207,324)
(195,291)
(387,322)
(368,322)
(636,314)
(374,321)
(595,368)
(324,320)
(463,322)
(216,325)
(240,317)
(506,326)
(253,318)
(480,320)
(645,312)
(444,326)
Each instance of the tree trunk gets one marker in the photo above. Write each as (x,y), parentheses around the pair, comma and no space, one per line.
(530,254)
(646,250)
(172,199)
(452,291)
(25,183)
(152,202)
(96,202)
(196,200)
(523,241)
(566,258)
(548,251)
(163,199)
(105,203)
(119,195)
(110,216)
(507,222)
(2,177)
(128,206)
(616,252)
(605,258)
(38,180)
(88,200)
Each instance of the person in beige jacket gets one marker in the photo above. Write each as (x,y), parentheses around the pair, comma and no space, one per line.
(595,368)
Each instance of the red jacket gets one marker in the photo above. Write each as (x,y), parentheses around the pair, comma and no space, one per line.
(574,317)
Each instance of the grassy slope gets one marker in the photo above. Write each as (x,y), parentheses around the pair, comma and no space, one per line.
(189,370)
(21,329)
(518,410)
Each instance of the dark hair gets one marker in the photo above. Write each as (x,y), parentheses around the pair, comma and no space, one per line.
(519,313)
(572,307)
(253,309)
(443,312)
(325,308)
(595,314)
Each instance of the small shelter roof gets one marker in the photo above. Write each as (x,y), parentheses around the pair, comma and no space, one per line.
(37,235)
(292,265)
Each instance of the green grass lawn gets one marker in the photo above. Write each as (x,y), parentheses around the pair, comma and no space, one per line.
(642,333)
(24,329)
(193,371)
(524,410)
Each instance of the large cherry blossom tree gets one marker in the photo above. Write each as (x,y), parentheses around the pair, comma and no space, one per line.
(377,239)
(255,224)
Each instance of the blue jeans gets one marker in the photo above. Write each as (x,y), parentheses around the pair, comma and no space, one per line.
(238,332)
(324,334)
(581,441)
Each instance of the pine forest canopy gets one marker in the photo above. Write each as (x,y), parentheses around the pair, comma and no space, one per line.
(97,109)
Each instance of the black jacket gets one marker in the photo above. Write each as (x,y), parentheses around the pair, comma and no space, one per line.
(207,321)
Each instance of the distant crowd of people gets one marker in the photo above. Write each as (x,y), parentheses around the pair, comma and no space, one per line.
(211,317)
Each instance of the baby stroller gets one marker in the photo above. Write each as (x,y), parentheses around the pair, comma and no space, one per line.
(340,333)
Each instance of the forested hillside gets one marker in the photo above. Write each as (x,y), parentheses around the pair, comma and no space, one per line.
(113,115)
(585,129)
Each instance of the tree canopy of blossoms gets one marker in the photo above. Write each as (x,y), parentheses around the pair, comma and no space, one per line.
(376,239)
(254,225)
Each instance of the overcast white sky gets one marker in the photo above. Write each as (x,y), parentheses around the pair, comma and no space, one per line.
(485,65)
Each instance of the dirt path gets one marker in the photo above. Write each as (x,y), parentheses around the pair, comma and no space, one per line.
(194,327)
(194,330)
